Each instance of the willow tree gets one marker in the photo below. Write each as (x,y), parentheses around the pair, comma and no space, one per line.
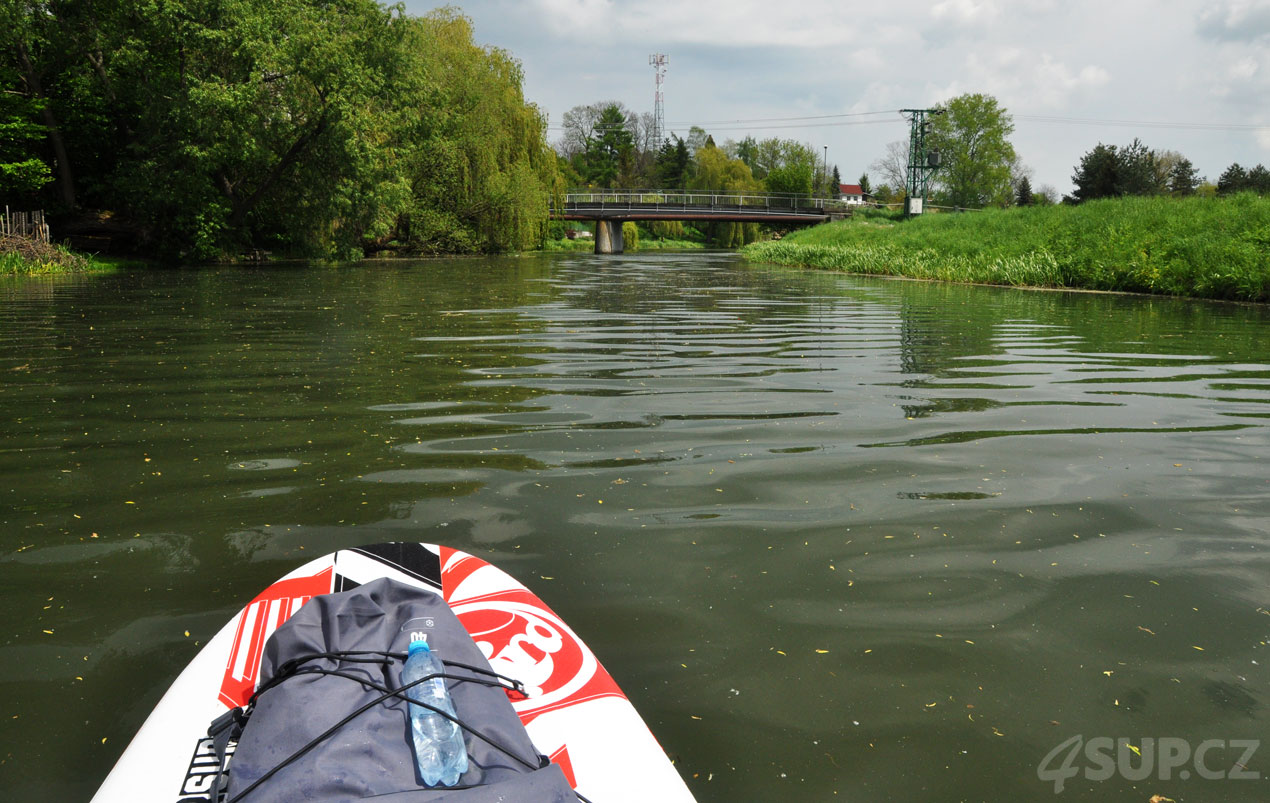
(320,127)
(479,167)
(715,172)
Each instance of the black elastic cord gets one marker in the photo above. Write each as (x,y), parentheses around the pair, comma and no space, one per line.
(292,668)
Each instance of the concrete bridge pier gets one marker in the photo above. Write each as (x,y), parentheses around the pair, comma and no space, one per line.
(608,237)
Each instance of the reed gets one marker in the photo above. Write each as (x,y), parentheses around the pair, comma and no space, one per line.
(1200,247)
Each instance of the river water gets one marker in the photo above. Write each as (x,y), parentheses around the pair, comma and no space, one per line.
(834,536)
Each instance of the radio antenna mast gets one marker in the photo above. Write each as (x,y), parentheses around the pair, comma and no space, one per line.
(658,62)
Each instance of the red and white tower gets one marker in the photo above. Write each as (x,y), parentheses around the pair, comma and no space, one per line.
(658,62)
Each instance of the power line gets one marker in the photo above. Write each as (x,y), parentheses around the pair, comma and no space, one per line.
(838,120)
(784,119)
(1036,118)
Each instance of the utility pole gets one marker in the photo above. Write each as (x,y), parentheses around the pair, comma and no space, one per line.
(922,162)
(658,62)
(825,171)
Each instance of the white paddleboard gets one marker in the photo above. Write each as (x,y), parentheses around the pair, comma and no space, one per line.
(575,712)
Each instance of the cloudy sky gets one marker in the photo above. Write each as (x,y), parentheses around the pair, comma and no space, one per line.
(1186,75)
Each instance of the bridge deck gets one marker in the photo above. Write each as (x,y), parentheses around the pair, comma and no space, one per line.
(676,205)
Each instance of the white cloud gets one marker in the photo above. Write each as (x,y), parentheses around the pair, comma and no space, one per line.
(1023,80)
(1158,60)
(965,11)
(1236,20)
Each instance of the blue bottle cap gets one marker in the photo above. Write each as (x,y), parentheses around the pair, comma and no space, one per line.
(417,646)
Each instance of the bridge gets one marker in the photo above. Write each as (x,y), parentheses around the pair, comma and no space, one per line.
(610,208)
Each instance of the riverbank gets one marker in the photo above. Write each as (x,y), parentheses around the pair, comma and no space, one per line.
(21,256)
(1200,247)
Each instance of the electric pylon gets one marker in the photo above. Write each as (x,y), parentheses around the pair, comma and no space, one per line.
(922,162)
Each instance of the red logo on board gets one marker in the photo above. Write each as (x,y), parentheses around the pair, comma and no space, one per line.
(525,640)
(259,619)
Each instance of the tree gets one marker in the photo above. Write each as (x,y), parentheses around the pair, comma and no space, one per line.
(972,136)
(1019,175)
(863,181)
(835,183)
(747,151)
(1233,179)
(22,171)
(609,152)
(1259,179)
(580,127)
(1183,177)
(893,165)
(1023,195)
(696,140)
(1165,161)
(715,172)
(1096,175)
(883,194)
(791,167)
(309,127)
(1136,170)
(33,37)
(671,166)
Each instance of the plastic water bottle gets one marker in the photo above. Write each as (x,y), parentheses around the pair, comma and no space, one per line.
(439,750)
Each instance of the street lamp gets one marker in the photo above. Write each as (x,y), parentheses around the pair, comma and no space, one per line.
(825,172)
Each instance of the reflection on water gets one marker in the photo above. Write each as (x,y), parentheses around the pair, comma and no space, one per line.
(888,539)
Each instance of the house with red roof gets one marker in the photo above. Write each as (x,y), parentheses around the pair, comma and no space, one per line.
(851,193)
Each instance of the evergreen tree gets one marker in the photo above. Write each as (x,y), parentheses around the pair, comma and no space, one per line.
(671,165)
(1023,196)
(864,184)
(1095,176)
(1259,179)
(835,183)
(1232,179)
(1135,170)
(608,154)
(1183,178)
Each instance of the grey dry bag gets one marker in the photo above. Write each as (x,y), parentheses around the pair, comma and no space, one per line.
(340,658)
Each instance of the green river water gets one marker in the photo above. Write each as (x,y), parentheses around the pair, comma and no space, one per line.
(836,537)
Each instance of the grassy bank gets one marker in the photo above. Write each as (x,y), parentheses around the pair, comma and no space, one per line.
(1202,247)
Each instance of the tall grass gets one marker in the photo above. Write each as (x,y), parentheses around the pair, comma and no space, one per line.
(1202,247)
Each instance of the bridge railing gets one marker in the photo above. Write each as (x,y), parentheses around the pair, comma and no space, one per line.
(698,199)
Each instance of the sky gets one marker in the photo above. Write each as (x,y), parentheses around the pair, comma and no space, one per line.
(1191,76)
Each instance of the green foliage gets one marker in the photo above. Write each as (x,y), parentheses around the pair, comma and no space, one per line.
(311,127)
(1212,248)
(21,255)
(609,153)
(715,172)
(22,171)
(793,178)
(1135,170)
(1183,178)
(972,137)
(1235,179)
(672,165)
(1108,171)
(1023,193)
(1095,176)
(666,229)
